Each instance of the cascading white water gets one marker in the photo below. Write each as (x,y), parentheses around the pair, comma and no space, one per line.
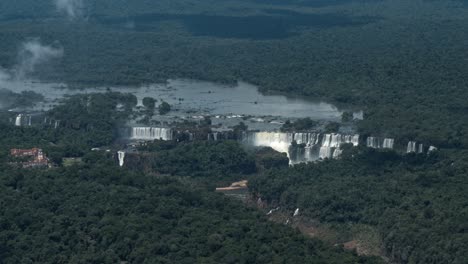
(337,153)
(140,102)
(352,139)
(316,146)
(18,121)
(319,146)
(277,141)
(306,138)
(372,142)
(150,133)
(420,148)
(432,148)
(326,141)
(378,143)
(325,152)
(121,156)
(411,147)
(388,143)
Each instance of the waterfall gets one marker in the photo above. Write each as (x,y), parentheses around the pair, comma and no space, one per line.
(150,133)
(317,146)
(121,156)
(411,147)
(420,148)
(432,148)
(378,143)
(23,119)
(307,138)
(18,120)
(337,153)
(388,143)
(326,141)
(325,152)
(139,102)
(296,212)
(56,124)
(277,141)
(372,142)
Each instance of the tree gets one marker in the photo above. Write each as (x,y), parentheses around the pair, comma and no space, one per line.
(149,102)
(347,117)
(332,127)
(164,108)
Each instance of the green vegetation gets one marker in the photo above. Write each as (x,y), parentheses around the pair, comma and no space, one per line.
(416,202)
(9,99)
(212,161)
(164,108)
(303,124)
(97,213)
(347,117)
(332,127)
(149,103)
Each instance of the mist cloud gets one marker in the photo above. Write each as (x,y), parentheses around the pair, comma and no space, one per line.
(72,8)
(5,77)
(33,53)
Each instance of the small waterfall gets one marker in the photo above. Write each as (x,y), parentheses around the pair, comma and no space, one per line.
(378,143)
(121,156)
(411,147)
(372,142)
(432,148)
(139,102)
(23,120)
(296,212)
(355,140)
(56,124)
(150,133)
(388,143)
(326,141)
(420,148)
(325,152)
(337,153)
(307,138)
(18,121)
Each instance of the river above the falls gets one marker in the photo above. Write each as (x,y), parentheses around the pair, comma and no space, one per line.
(195,99)
(204,97)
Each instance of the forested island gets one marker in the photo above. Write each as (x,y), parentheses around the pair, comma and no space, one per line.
(75,190)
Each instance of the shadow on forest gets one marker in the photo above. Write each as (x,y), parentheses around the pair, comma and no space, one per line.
(310,3)
(275,24)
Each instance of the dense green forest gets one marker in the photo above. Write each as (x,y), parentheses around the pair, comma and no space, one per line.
(97,213)
(417,203)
